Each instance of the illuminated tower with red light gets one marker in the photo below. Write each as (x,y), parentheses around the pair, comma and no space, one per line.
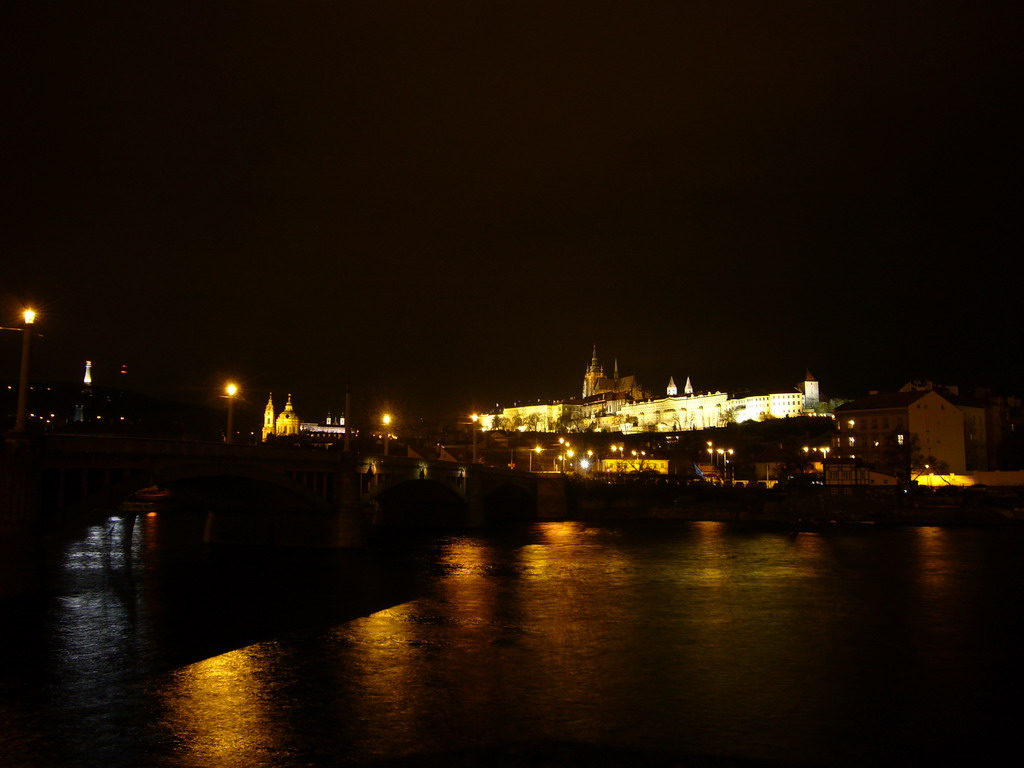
(86,392)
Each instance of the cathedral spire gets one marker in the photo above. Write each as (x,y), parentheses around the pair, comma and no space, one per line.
(593,373)
(672,390)
(268,417)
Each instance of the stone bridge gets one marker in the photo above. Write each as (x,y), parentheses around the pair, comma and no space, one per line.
(263,494)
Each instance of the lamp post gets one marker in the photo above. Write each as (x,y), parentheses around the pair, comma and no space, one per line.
(230,390)
(21,422)
(386,420)
(536,450)
(474,418)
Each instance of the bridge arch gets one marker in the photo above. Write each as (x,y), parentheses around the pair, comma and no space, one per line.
(421,503)
(241,488)
(237,487)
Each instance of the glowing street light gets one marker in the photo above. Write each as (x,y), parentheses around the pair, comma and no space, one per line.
(616,449)
(386,421)
(474,418)
(21,422)
(230,390)
(536,450)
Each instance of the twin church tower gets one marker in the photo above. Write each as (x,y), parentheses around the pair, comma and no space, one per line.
(285,424)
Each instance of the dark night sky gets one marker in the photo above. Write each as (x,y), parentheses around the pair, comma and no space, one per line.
(447,203)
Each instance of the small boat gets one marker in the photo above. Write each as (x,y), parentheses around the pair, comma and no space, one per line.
(151,494)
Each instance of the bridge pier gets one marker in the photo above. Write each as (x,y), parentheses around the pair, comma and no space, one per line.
(552,501)
(20,543)
(19,483)
(474,500)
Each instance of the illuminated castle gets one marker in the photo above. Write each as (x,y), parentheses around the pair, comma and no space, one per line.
(620,404)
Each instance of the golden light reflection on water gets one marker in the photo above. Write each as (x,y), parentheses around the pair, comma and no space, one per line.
(388,668)
(218,710)
(712,553)
(704,639)
(560,532)
(933,546)
(468,588)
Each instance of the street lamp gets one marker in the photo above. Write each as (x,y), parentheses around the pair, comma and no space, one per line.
(536,450)
(474,418)
(29,316)
(386,420)
(230,390)
(617,463)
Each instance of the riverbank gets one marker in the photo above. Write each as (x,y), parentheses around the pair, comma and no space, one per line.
(815,504)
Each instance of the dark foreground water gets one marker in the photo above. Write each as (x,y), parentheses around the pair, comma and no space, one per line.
(663,643)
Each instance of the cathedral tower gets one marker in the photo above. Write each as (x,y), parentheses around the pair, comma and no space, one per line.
(268,418)
(594,373)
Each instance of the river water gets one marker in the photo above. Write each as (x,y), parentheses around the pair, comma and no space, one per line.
(563,643)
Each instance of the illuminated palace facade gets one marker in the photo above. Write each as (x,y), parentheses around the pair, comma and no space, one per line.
(620,404)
